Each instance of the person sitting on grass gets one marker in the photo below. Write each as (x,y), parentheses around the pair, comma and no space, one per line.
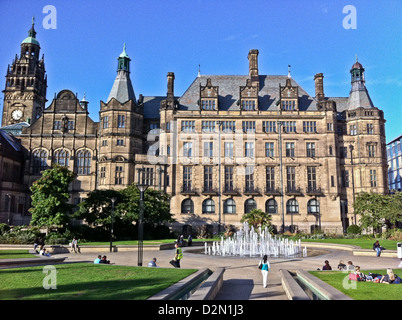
(361,275)
(98,259)
(390,277)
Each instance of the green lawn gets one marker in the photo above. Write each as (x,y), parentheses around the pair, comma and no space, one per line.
(364,244)
(16,254)
(86,281)
(359,290)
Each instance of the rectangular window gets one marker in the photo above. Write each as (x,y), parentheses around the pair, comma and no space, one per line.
(249,149)
(370,128)
(188,126)
(309,126)
(187,149)
(330,126)
(269,149)
(353,129)
(291,178)
(270,178)
(269,126)
(229,178)
(345,178)
(187,178)
(290,149)
(119,175)
(208,149)
(56,125)
(310,148)
(248,104)
(288,104)
(343,152)
(208,178)
(104,143)
(148,176)
(371,151)
(373,178)
(208,104)
(229,150)
(208,126)
(153,126)
(250,178)
(120,142)
(103,175)
(70,125)
(105,122)
(248,126)
(311,178)
(290,126)
(228,126)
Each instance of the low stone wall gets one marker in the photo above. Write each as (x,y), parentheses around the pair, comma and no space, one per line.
(291,287)
(210,288)
(181,286)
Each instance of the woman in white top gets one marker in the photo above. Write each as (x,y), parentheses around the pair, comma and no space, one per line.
(264,270)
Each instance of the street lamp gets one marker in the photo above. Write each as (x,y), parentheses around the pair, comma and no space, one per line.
(353,179)
(280,124)
(111,227)
(142,185)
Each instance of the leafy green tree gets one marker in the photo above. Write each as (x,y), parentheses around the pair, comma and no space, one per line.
(372,208)
(156,205)
(96,209)
(50,197)
(394,212)
(257,218)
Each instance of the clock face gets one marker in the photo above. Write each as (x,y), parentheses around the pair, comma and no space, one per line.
(17,114)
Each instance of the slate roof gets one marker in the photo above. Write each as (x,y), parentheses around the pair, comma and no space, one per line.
(10,140)
(229,91)
(122,89)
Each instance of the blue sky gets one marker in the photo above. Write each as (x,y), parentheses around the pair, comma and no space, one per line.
(177,36)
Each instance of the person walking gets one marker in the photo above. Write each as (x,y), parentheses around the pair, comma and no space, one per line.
(177,257)
(264,266)
(74,245)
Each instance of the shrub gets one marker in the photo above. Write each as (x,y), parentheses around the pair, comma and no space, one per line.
(354,229)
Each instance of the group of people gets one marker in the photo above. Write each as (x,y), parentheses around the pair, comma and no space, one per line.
(101,259)
(355,273)
(176,259)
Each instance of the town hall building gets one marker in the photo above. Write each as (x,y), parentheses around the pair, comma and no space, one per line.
(227,145)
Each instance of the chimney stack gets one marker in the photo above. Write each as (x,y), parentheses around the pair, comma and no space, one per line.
(253,66)
(319,86)
(170,85)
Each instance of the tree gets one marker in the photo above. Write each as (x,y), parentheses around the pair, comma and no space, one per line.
(96,209)
(156,205)
(372,208)
(257,218)
(50,197)
(394,212)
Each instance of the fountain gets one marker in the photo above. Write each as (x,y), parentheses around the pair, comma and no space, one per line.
(248,242)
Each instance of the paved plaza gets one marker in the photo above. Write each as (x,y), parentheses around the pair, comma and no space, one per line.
(242,278)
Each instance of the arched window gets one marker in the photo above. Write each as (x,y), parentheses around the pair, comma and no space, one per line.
(249,205)
(271,206)
(39,158)
(229,206)
(61,158)
(292,206)
(83,162)
(187,206)
(313,206)
(208,206)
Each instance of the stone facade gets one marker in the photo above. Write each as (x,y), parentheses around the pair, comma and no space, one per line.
(227,145)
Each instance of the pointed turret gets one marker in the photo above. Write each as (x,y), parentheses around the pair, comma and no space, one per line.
(359,96)
(122,89)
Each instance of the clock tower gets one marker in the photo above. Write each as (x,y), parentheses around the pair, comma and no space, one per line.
(26,83)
